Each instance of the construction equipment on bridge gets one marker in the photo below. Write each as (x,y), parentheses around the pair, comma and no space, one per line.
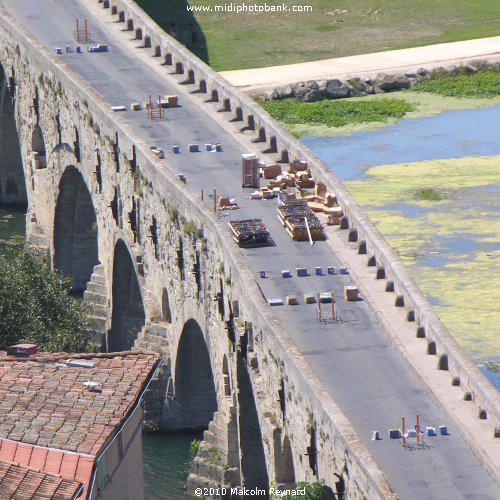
(326,313)
(82,35)
(412,439)
(299,221)
(250,171)
(250,233)
(155,110)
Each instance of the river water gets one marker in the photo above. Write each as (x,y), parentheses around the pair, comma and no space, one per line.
(455,134)
(166,463)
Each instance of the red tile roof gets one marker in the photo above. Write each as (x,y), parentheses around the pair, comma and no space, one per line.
(46,411)
(22,483)
(74,466)
(43,400)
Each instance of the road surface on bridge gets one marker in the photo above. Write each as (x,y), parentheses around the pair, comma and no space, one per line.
(354,359)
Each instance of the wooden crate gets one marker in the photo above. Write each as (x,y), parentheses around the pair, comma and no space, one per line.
(351,292)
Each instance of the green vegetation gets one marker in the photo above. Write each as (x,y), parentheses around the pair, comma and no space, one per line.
(214,456)
(313,491)
(190,229)
(230,40)
(493,366)
(424,104)
(173,214)
(483,84)
(335,113)
(428,194)
(194,446)
(35,305)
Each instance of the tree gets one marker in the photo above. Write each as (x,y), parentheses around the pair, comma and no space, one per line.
(35,305)
(312,491)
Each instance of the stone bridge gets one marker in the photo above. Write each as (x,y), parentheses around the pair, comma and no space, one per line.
(160,270)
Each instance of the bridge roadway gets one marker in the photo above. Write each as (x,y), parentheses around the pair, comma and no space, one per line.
(354,359)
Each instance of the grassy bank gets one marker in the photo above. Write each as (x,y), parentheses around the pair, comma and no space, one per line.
(423,104)
(449,244)
(333,29)
(336,113)
(483,84)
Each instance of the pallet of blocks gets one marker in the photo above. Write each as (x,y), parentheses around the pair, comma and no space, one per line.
(250,233)
(299,220)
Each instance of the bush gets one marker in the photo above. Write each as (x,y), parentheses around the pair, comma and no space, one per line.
(194,446)
(313,491)
(428,194)
(35,306)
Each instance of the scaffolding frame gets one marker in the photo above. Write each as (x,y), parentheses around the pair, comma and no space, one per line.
(82,35)
(326,314)
(155,112)
(413,439)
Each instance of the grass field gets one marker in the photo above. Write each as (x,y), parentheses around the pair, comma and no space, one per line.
(333,29)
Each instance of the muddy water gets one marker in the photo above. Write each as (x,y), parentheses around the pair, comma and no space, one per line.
(450,246)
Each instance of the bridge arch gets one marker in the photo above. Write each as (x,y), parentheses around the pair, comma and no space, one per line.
(253,466)
(195,394)
(128,316)
(12,179)
(75,230)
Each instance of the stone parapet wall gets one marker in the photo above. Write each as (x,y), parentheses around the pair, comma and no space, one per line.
(472,381)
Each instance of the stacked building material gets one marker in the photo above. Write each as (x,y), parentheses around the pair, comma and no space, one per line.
(250,233)
(293,215)
(250,171)
(271,171)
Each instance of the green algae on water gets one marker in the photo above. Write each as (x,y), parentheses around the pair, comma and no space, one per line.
(451,246)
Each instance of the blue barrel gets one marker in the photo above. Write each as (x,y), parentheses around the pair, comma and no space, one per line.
(78,49)
(58,50)
(319,271)
(263,274)
(176,149)
(194,148)
(331,270)
(218,147)
(343,270)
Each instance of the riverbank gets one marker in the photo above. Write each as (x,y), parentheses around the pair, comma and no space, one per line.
(422,103)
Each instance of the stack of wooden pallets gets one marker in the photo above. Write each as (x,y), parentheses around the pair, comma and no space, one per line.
(250,233)
(293,215)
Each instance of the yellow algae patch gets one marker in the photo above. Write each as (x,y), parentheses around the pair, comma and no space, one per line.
(452,246)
